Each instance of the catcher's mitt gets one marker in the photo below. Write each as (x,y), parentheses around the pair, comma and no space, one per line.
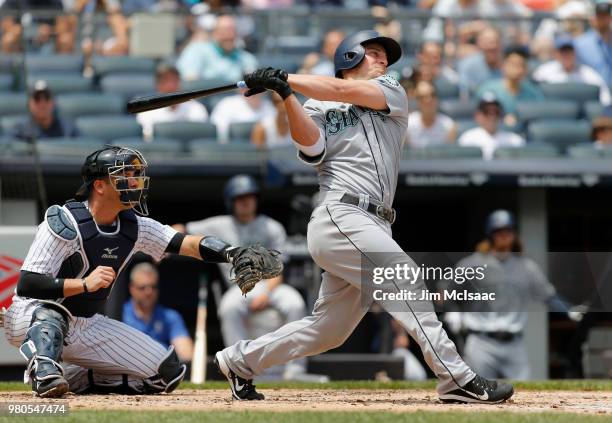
(252,264)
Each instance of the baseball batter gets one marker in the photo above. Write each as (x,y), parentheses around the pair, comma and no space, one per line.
(77,254)
(352,130)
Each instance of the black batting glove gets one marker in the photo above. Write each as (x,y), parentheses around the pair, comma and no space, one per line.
(263,79)
(279,85)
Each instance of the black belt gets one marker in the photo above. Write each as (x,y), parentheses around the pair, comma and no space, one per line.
(374,207)
(498,336)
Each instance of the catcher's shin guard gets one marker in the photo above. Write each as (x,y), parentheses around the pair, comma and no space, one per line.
(170,373)
(43,350)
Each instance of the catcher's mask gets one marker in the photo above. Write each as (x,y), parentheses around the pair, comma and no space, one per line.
(126,170)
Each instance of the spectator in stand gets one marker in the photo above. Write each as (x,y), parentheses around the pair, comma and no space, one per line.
(487,135)
(453,9)
(430,56)
(142,312)
(427,126)
(484,65)
(44,122)
(565,68)
(266,4)
(238,108)
(273,131)
(167,80)
(130,6)
(594,48)
(602,131)
(66,27)
(514,85)
(11,35)
(323,63)
(569,19)
(219,58)
(119,43)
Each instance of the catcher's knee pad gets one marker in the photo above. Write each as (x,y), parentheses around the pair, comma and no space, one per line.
(170,373)
(44,343)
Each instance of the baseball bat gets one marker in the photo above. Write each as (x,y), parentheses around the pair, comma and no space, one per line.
(157,101)
(198,364)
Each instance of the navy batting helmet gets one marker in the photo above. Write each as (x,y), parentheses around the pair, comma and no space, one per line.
(237,186)
(351,52)
(499,219)
(126,170)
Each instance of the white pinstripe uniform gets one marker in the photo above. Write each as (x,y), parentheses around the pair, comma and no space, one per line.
(115,352)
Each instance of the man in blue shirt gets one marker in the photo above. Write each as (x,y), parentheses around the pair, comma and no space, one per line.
(220,58)
(143,313)
(514,86)
(594,48)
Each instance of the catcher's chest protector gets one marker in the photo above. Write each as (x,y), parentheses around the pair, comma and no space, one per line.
(100,249)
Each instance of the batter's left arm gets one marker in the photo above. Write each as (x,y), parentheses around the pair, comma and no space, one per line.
(324,88)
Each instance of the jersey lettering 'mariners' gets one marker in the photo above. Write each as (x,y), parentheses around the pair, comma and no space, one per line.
(339,120)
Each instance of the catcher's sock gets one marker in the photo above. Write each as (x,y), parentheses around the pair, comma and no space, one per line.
(480,390)
(242,389)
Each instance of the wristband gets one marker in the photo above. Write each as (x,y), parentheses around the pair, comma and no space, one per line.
(85,285)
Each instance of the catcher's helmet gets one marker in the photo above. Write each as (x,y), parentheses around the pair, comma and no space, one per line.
(237,186)
(351,52)
(115,162)
(499,219)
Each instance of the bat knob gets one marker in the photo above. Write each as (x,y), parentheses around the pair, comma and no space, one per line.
(241,84)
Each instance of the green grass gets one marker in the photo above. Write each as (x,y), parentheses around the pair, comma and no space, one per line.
(543,385)
(310,417)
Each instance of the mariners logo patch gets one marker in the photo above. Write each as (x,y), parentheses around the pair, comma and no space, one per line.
(389,81)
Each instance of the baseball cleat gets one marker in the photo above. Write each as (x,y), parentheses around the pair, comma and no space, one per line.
(242,389)
(480,390)
(50,388)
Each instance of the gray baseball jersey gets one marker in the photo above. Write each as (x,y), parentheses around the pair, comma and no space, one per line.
(362,155)
(362,146)
(517,281)
(262,230)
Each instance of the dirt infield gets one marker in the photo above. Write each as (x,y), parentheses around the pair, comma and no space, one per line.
(335,400)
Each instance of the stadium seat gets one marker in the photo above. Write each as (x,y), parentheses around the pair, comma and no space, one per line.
(13,103)
(104,65)
(240,131)
(185,131)
(224,153)
(7,62)
(575,91)
(108,127)
(8,122)
(128,85)
(154,146)
(552,109)
(288,63)
(529,151)
(83,104)
(464,124)
(293,44)
(442,152)
(6,82)
(61,83)
(446,89)
(584,151)
(77,146)
(560,133)
(70,63)
(458,109)
(593,109)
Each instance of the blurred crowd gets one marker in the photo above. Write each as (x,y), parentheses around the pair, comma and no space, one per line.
(473,72)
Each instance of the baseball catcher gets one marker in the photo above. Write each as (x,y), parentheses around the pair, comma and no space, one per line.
(79,250)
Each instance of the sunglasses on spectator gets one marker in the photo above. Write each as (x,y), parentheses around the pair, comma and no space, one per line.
(491,111)
(40,97)
(144,287)
(426,97)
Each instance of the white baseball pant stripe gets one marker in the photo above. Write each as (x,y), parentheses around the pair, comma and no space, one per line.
(337,235)
(109,347)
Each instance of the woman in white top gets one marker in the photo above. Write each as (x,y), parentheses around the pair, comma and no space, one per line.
(426,126)
(273,131)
